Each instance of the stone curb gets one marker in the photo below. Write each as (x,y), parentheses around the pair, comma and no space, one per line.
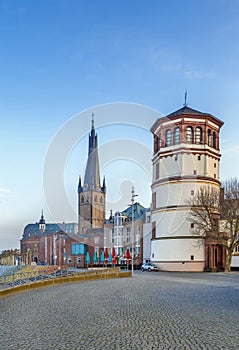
(61,280)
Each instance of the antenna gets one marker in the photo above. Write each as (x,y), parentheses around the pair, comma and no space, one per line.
(185,98)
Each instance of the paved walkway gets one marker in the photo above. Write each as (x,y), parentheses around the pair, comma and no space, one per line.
(149,311)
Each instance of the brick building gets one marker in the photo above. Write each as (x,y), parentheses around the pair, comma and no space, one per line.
(67,243)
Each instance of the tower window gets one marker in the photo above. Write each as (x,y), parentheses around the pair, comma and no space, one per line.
(215,165)
(95,199)
(215,176)
(82,199)
(192,193)
(209,138)
(214,140)
(192,257)
(168,138)
(192,225)
(101,200)
(157,171)
(198,135)
(154,200)
(194,172)
(176,136)
(199,157)
(189,134)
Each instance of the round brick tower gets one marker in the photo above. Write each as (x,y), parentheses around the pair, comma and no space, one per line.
(186,158)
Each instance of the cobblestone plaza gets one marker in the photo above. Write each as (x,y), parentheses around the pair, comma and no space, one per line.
(149,311)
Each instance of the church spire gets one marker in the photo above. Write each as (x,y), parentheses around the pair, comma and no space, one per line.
(92,174)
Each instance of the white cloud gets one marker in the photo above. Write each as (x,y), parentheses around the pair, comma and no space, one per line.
(197,74)
(4,190)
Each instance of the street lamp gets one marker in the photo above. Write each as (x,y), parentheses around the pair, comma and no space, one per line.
(133,195)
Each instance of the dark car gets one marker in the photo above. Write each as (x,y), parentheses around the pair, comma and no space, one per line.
(149,267)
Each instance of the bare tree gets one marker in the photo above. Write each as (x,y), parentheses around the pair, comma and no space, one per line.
(204,212)
(230,216)
(215,215)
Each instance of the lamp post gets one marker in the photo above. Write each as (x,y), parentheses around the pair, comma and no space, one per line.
(133,195)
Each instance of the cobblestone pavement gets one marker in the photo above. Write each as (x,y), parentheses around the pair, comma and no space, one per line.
(156,310)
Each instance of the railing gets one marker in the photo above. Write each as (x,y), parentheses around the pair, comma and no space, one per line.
(30,274)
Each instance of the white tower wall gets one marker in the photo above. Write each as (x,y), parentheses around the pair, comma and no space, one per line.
(180,168)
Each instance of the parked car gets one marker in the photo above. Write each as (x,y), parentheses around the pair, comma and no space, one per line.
(149,267)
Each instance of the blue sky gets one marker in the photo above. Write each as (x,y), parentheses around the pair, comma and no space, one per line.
(59,59)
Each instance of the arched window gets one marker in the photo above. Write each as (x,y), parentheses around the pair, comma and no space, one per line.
(168,137)
(214,140)
(198,135)
(209,138)
(159,142)
(101,199)
(95,199)
(176,136)
(82,199)
(189,134)
(155,144)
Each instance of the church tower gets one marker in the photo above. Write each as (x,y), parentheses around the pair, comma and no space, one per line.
(186,158)
(91,196)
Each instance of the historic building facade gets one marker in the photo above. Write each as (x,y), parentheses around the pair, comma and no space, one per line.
(186,158)
(67,243)
(122,235)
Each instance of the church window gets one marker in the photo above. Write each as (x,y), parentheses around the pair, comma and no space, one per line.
(176,136)
(168,136)
(189,134)
(198,135)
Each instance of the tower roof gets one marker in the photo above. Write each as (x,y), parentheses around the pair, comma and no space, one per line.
(92,174)
(42,220)
(186,111)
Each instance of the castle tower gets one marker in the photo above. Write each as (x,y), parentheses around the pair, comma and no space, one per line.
(186,158)
(91,196)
